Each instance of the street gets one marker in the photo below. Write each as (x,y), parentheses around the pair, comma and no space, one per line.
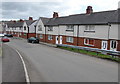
(12,67)
(49,64)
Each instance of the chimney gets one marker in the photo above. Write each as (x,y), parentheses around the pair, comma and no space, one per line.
(21,20)
(89,10)
(30,18)
(14,21)
(55,15)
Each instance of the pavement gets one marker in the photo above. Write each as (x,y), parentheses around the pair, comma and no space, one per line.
(0,62)
(50,64)
(12,67)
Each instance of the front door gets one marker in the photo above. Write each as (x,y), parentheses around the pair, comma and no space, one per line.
(56,39)
(60,39)
(113,45)
(104,45)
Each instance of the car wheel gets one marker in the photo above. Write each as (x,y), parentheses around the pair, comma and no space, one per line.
(32,41)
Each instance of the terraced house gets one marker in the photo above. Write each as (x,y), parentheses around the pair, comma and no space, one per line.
(21,28)
(91,29)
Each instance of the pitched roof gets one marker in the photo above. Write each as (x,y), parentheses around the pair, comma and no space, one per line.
(29,22)
(93,18)
(44,20)
(14,24)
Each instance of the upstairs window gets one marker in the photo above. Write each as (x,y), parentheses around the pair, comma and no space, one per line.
(24,27)
(50,28)
(39,28)
(90,28)
(70,28)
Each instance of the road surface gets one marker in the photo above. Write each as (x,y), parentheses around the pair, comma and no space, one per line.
(48,64)
(12,67)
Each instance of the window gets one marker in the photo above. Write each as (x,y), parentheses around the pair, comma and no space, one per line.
(41,36)
(70,28)
(50,28)
(50,37)
(89,41)
(69,39)
(39,28)
(113,44)
(24,27)
(90,28)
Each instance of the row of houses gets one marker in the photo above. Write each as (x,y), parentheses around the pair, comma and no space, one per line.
(91,29)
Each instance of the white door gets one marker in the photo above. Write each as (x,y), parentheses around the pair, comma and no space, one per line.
(113,45)
(56,39)
(104,45)
(60,39)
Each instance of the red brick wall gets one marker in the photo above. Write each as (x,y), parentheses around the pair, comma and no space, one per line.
(68,43)
(97,43)
(31,35)
(42,40)
(51,41)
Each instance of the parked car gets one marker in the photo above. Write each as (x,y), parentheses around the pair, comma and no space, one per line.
(5,39)
(9,35)
(33,40)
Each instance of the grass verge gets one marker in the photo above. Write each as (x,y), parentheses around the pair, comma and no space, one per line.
(99,55)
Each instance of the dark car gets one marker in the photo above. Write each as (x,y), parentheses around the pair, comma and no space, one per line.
(33,40)
(8,35)
(5,39)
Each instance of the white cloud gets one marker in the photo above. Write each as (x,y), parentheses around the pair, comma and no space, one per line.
(47,7)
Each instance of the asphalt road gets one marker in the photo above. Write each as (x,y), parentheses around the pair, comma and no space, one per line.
(12,67)
(48,64)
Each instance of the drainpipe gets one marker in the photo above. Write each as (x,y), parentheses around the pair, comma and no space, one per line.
(45,33)
(28,33)
(109,30)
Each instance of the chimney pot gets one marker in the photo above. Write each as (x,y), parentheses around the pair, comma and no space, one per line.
(89,10)
(55,15)
(30,18)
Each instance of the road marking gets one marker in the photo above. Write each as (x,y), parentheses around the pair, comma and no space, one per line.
(26,72)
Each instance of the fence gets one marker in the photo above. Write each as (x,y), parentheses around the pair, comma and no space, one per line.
(107,52)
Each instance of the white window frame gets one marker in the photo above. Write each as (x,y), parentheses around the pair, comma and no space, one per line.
(89,42)
(39,27)
(50,37)
(69,39)
(41,36)
(50,28)
(113,48)
(90,28)
(70,28)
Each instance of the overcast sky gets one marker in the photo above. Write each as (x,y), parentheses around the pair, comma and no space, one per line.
(15,9)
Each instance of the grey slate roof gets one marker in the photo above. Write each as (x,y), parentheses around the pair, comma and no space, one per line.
(95,18)
(44,20)
(29,22)
(14,24)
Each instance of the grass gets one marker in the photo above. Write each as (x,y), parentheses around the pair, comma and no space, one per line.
(99,55)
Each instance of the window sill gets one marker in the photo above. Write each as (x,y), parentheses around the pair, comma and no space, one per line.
(89,45)
(90,31)
(70,30)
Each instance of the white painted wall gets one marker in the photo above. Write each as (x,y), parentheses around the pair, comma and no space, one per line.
(114,32)
(62,29)
(101,32)
(32,27)
(25,31)
(54,32)
(43,28)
